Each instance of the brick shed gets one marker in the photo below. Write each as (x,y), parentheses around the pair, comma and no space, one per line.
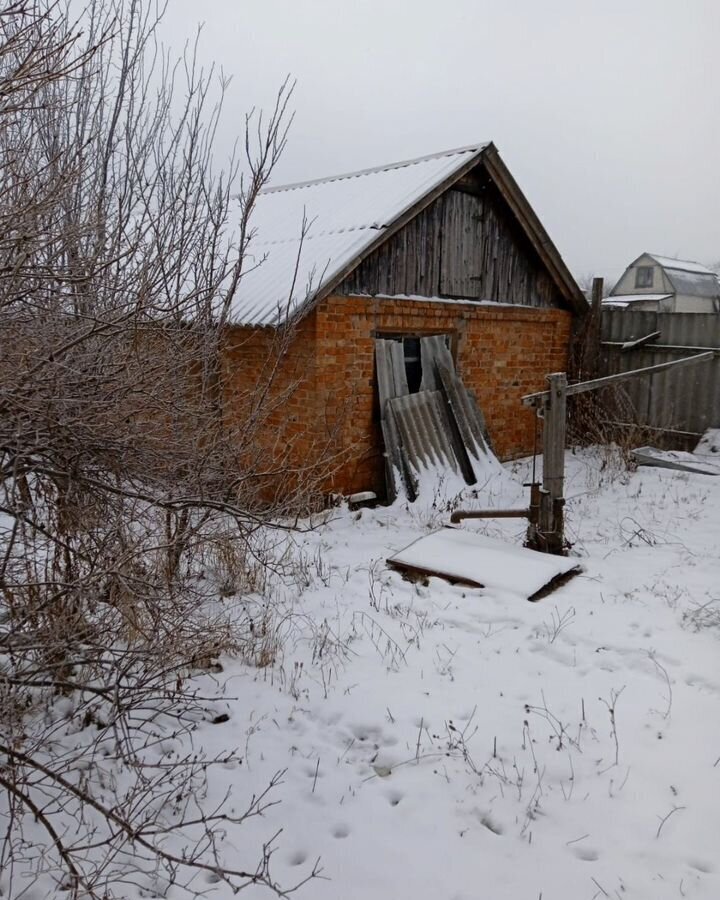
(442,245)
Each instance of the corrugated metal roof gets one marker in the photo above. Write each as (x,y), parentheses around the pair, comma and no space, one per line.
(345,214)
(667,262)
(694,284)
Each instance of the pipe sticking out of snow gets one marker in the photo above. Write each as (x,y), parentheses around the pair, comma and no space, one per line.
(459,514)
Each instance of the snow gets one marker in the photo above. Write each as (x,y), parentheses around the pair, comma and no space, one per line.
(678,459)
(685,265)
(484,561)
(451,301)
(709,444)
(344,214)
(624,299)
(441,742)
(457,743)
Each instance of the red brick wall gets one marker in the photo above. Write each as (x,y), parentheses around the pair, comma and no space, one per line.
(269,399)
(502,352)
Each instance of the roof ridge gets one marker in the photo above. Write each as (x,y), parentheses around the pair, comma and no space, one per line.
(472,148)
(692,262)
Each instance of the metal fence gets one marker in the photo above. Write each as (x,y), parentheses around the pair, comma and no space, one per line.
(685,401)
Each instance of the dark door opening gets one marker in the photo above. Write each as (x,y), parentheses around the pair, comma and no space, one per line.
(412,356)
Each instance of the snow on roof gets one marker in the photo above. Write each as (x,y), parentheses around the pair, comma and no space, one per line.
(694,284)
(667,262)
(345,214)
(625,299)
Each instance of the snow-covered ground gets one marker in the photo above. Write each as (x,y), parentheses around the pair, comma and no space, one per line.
(447,743)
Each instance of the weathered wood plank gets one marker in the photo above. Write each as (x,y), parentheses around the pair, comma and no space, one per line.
(433,350)
(464,245)
(390,369)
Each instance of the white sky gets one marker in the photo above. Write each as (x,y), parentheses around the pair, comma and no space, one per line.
(606,111)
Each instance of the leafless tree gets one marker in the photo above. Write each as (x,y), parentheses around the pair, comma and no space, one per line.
(124,485)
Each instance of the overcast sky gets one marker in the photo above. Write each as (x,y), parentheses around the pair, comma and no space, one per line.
(607,112)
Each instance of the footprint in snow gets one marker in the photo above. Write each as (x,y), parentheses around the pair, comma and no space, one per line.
(693,680)
(702,865)
(587,854)
(340,831)
(491,824)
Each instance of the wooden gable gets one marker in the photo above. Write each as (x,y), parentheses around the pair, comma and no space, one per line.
(465,245)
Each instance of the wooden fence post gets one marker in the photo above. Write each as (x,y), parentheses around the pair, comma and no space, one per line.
(592,360)
(552,500)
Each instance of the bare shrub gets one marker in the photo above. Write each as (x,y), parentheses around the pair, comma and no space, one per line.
(607,418)
(128,498)
(699,616)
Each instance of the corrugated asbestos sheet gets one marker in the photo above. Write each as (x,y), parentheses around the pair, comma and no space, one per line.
(674,459)
(685,399)
(392,382)
(424,430)
(343,215)
(440,427)
(470,421)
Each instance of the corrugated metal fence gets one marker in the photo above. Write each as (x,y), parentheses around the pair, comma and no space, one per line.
(679,399)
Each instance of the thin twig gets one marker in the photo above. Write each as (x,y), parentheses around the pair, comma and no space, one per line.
(665,818)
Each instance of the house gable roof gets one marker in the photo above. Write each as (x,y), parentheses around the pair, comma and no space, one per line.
(307,237)
(687,278)
(684,265)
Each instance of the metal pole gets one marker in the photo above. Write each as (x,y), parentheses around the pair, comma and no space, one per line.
(581,387)
(459,514)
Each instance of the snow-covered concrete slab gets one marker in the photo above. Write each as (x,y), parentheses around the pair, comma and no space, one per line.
(476,559)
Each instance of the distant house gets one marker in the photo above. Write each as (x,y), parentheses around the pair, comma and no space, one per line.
(442,245)
(662,284)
